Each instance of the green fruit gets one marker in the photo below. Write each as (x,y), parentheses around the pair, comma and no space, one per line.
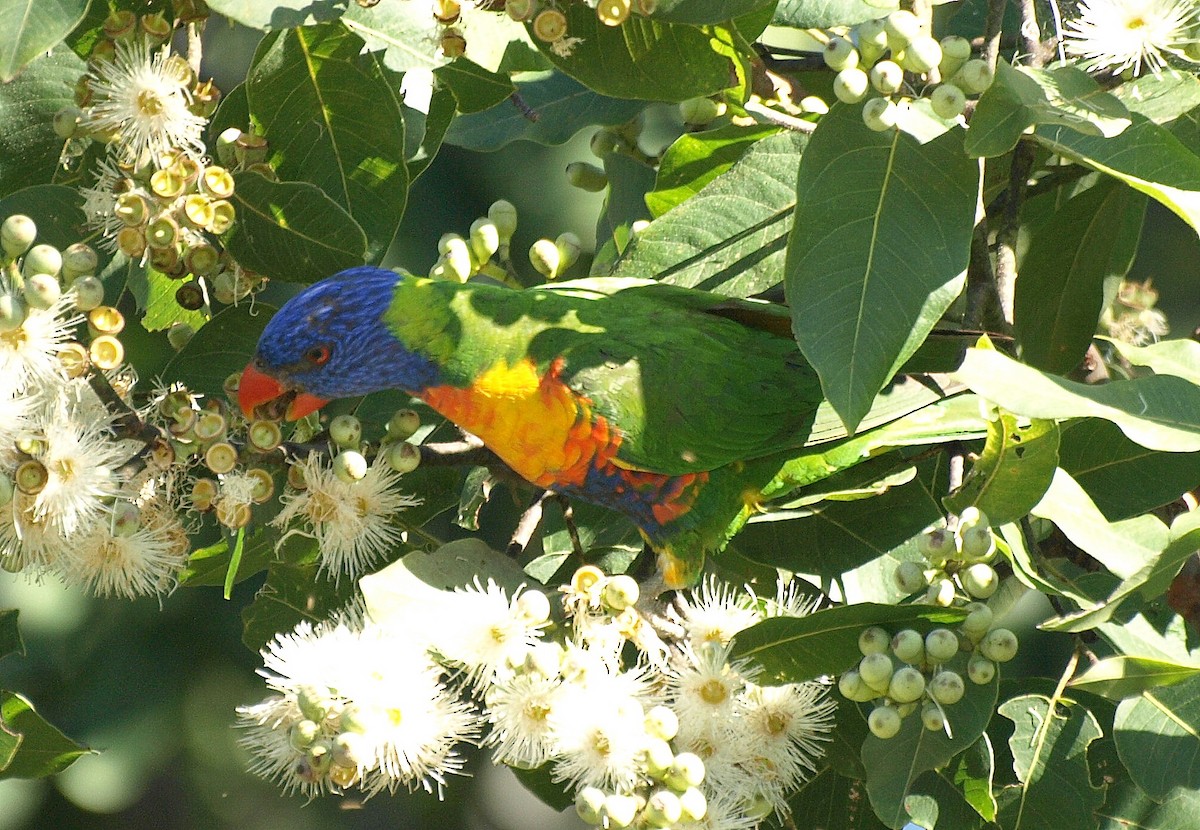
(876,671)
(922,55)
(980,580)
(887,77)
(978,620)
(17,234)
(975,76)
(697,112)
(932,717)
(948,101)
(910,577)
(999,645)
(872,40)
(947,688)
(346,431)
(852,687)
(941,592)
(589,802)
(880,114)
(909,646)
(873,640)
(980,670)
(350,466)
(936,544)
(955,52)
(840,53)
(587,177)
(884,722)
(403,425)
(941,645)
(902,27)
(42,259)
(907,685)
(850,85)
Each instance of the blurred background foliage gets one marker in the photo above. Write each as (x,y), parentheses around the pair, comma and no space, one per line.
(154,688)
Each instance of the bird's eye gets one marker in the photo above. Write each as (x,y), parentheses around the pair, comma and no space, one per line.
(317,355)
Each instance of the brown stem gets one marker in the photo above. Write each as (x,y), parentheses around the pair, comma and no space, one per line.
(983,303)
(992,30)
(1010,224)
(195,45)
(569,521)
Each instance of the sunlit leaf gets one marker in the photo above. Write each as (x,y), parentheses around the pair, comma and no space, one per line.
(32,27)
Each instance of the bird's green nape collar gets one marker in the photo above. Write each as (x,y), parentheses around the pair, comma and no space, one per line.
(421,318)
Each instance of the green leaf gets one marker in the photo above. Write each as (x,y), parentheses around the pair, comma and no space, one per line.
(1180,358)
(154,293)
(475,88)
(553,107)
(10,635)
(1161,96)
(699,12)
(32,27)
(877,253)
(1146,157)
(1158,738)
(1049,747)
(894,766)
(1159,412)
(209,566)
(292,231)
(807,14)
(1013,471)
(831,802)
(333,121)
(641,57)
(1126,807)
(730,237)
(795,649)
(272,15)
(973,774)
(293,593)
(1117,678)
(29,746)
(541,783)
(1060,295)
(224,346)
(29,147)
(1123,478)
(424,131)
(695,159)
(625,202)
(933,800)
(1022,96)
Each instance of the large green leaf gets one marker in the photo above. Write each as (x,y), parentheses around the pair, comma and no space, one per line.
(895,766)
(878,250)
(795,649)
(1022,96)
(475,88)
(806,14)
(730,237)
(1126,807)
(293,593)
(699,12)
(1060,294)
(1161,96)
(695,159)
(332,120)
(273,15)
(1117,678)
(1159,412)
(154,293)
(831,802)
(55,209)
(10,635)
(1168,357)
(625,203)
(552,108)
(1122,477)
(292,231)
(1049,746)
(1158,737)
(29,746)
(224,346)
(1013,471)
(32,27)
(29,147)
(642,57)
(1146,157)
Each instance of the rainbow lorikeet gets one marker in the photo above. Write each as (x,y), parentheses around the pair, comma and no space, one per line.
(674,406)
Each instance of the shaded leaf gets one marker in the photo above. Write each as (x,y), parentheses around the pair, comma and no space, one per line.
(831,802)
(1159,412)
(32,747)
(10,635)
(699,12)
(55,209)
(32,27)
(553,107)
(1126,807)
(1125,676)
(29,147)
(154,293)
(695,159)
(331,120)
(795,649)
(625,202)
(1180,357)
(1146,157)
(292,231)
(805,14)
(731,236)
(1158,738)
(1059,298)
(272,15)
(293,593)
(877,253)
(1161,96)
(475,88)
(1012,473)
(224,346)
(1049,746)
(934,801)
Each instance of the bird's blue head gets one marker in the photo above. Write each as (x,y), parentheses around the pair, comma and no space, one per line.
(331,341)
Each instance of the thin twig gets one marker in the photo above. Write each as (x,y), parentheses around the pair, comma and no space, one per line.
(1010,225)
(992,29)
(778,118)
(569,521)
(983,303)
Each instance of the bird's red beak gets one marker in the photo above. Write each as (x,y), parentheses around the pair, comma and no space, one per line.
(257,388)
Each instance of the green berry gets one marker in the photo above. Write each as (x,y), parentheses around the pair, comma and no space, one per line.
(941,644)
(586,176)
(346,431)
(589,805)
(850,85)
(403,425)
(884,722)
(851,686)
(873,640)
(872,40)
(936,544)
(922,54)
(403,457)
(947,687)
(887,77)
(620,592)
(693,804)
(980,580)
(661,722)
(485,239)
(907,685)
(504,215)
(908,646)
(948,101)
(999,645)
(42,259)
(941,592)
(932,717)
(901,27)
(12,312)
(17,234)
(955,52)
(978,620)
(975,76)
(350,466)
(876,671)
(980,670)
(662,809)
(545,259)
(687,770)
(696,112)
(910,577)
(840,53)
(89,293)
(42,290)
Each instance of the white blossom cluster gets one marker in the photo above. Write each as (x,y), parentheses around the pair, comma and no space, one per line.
(1133,36)
(636,709)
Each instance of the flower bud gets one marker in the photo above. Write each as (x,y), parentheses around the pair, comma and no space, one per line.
(42,290)
(662,722)
(999,645)
(880,114)
(975,76)
(89,293)
(694,804)
(403,424)
(504,215)
(922,55)
(955,52)
(941,644)
(884,722)
(619,810)
(947,688)
(569,248)
(662,809)
(586,176)
(910,577)
(932,717)
(545,258)
(696,112)
(77,260)
(485,239)
(346,431)
(850,85)
(686,771)
(887,77)
(907,685)
(872,40)
(909,646)
(350,466)
(980,580)
(42,259)
(403,457)
(840,53)
(589,804)
(226,143)
(978,620)
(948,101)
(901,28)
(620,592)
(941,592)
(873,640)
(12,312)
(17,233)
(876,671)
(980,670)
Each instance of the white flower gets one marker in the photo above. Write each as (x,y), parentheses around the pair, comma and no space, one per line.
(352,522)
(100,201)
(116,561)
(724,813)
(484,633)
(520,710)
(26,542)
(783,727)
(144,98)
(714,611)
(370,695)
(791,600)
(29,353)
(600,744)
(1119,35)
(704,685)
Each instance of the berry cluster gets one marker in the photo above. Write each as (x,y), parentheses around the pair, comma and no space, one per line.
(888,60)
(489,237)
(956,563)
